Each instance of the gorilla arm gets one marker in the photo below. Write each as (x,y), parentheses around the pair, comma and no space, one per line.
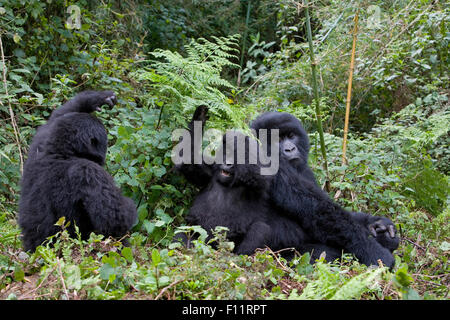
(109,212)
(380,227)
(86,101)
(325,221)
(197,174)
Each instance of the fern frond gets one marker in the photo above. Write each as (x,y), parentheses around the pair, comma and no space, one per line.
(354,288)
(196,78)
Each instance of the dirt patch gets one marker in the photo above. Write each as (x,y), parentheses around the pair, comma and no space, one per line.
(22,289)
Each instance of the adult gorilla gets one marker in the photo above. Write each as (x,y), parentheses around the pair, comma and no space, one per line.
(63,176)
(295,192)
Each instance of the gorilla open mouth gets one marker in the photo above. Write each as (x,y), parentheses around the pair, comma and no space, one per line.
(225,173)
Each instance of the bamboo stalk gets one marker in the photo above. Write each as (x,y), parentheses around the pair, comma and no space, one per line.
(349,89)
(316,97)
(247,19)
(11,112)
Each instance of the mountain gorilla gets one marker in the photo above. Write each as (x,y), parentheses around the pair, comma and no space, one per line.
(235,195)
(236,198)
(63,176)
(296,194)
(84,102)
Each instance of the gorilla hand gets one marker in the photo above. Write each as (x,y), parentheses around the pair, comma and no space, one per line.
(86,102)
(201,114)
(96,99)
(384,231)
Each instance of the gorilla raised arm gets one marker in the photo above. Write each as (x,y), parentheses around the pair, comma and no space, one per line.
(84,102)
(67,179)
(295,192)
(199,174)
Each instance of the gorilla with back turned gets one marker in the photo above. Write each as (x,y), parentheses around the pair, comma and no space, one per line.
(63,176)
(294,191)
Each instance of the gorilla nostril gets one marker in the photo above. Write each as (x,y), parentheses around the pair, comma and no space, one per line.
(289,149)
(227,166)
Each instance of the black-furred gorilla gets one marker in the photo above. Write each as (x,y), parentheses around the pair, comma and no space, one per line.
(63,176)
(236,196)
(296,194)
(84,102)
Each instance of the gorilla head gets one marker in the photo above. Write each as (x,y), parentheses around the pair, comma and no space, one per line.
(84,102)
(293,143)
(78,135)
(237,163)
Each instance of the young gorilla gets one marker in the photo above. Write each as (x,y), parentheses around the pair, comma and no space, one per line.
(235,196)
(84,102)
(295,192)
(64,177)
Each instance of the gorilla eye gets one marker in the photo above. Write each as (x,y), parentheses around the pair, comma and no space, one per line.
(290,135)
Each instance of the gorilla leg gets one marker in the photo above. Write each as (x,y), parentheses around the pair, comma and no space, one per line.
(109,212)
(316,250)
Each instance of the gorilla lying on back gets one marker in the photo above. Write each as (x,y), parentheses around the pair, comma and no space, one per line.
(296,194)
(63,176)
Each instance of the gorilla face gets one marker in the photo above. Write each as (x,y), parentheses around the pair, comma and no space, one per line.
(288,146)
(78,135)
(294,142)
(238,166)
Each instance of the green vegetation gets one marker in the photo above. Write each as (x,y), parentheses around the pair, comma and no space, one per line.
(165,58)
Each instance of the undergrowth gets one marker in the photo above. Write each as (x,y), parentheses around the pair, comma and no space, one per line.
(398,148)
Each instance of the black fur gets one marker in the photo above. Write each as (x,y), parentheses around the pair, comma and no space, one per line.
(236,197)
(84,102)
(197,174)
(296,194)
(240,202)
(64,176)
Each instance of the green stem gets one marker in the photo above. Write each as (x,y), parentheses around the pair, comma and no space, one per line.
(316,94)
(245,32)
